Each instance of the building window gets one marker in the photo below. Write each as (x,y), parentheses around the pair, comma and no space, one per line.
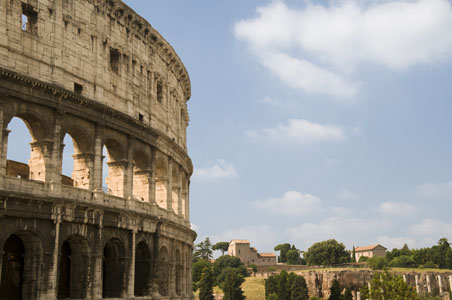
(78,88)
(29,18)
(114,60)
(159,91)
(239,251)
(140,117)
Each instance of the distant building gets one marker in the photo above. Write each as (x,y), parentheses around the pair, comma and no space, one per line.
(249,255)
(370,251)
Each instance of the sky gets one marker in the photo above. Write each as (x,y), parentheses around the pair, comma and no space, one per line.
(312,120)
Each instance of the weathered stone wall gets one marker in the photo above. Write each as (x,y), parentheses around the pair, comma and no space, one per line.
(98,72)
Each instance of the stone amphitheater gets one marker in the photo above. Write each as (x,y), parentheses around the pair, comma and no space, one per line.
(98,72)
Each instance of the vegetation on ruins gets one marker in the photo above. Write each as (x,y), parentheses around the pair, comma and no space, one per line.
(289,254)
(327,253)
(335,291)
(285,286)
(385,285)
(206,284)
(222,246)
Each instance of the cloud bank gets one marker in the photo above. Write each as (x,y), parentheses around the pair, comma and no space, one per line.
(220,169)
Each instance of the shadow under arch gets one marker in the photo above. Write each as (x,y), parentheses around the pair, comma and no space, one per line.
(143,270)
(179,271)
(73,268)
(113,269)
(163,273)
(116,167)
(161,183)
(141,173)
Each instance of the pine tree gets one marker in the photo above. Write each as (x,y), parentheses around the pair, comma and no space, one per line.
(206,285)
(354,254)
(335,291)
(232,286)
(283,293)
(299,289)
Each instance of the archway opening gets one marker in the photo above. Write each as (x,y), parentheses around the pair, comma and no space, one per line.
(163,271)
(142,270)
(114,168)
(67,167)
(22,162)
(12,276)
(113,269)
(141,176)
(64,281)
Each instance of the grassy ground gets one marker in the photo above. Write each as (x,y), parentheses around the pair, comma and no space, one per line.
(254,288)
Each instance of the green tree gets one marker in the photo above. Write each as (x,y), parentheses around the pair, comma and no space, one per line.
(271,286)
(384,286)
(206,285)
(228,261)
(282,248)
(327,253)
(293,257)
(283,293)
(348,294)
(299,289)
(222,246)
(377,262)
(203,250)
(232,285)
(403,261)
(353,254)
(335,291)
(198,267)
(363,259)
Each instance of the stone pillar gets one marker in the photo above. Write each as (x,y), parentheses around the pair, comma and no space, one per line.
(131,285)
(53,272)
(169,194)
(404,278)
(152,178)
(128,172)
(179,195)
(98,261)
(189,275)
(98,159)
(429,287)
(450,283)
(440,285)
(416,280)
(3,150)
(53,167)
(358,296)
(187,203)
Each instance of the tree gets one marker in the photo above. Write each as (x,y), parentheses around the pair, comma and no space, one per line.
(335,291)
(271,286)
(353,254)
(232,285)
(283,294)
(299,289)
(385,285)
(203,250)
(198,267)
(222,246)
(293,257)
(206,285)
(348,294)
(327,253)
(227,261)
(282,248)
(377,262)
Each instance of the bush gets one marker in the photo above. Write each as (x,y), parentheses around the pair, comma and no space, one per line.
(377,263)
(253,267)
(363,259)
(429,265)
(403,261)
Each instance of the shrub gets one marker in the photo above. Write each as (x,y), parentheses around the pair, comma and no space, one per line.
(377,263)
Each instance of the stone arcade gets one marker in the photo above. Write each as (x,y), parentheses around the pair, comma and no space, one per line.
(98,72)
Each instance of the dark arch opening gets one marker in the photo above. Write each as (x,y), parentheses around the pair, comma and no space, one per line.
(12,269)
(179,271)
(142,270)
(64,282)
(164,272)
(113,269)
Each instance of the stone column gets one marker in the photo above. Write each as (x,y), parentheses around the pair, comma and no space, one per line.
(169,189)
(53,272)
(187,203)
(429,287)
(4,147)
(98,260)
(440,285)
(128,172)
(189,275)
(131,285)
(450,283)
(416,280)
(98,159)
(55,163)
(179,195)
(152,178)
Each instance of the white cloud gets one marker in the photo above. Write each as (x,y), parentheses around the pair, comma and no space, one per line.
(435,190)
(220,169)
(432,228)
(268,100)
(261,237)
(398,208)
(317,48)
(396,242)
(301,131)
(194,227)
(291,203)
(346,194)
(350,231)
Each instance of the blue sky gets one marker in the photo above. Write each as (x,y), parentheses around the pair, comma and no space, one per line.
(312,120)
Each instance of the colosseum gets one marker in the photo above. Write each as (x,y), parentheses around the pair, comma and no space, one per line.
(98,72)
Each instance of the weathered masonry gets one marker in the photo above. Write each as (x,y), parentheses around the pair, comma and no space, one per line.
(98,72)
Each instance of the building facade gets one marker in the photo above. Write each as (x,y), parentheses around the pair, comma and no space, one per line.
(249,255)
(370,251)
(98,72)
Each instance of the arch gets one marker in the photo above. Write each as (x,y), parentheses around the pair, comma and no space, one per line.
(163,271)
(178,272)
(113,269)
(11,284)
(32,256)
(115,166)
(142,269)
(83,158)
(35,167)
(141,171)
(161,182)
(73,268)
